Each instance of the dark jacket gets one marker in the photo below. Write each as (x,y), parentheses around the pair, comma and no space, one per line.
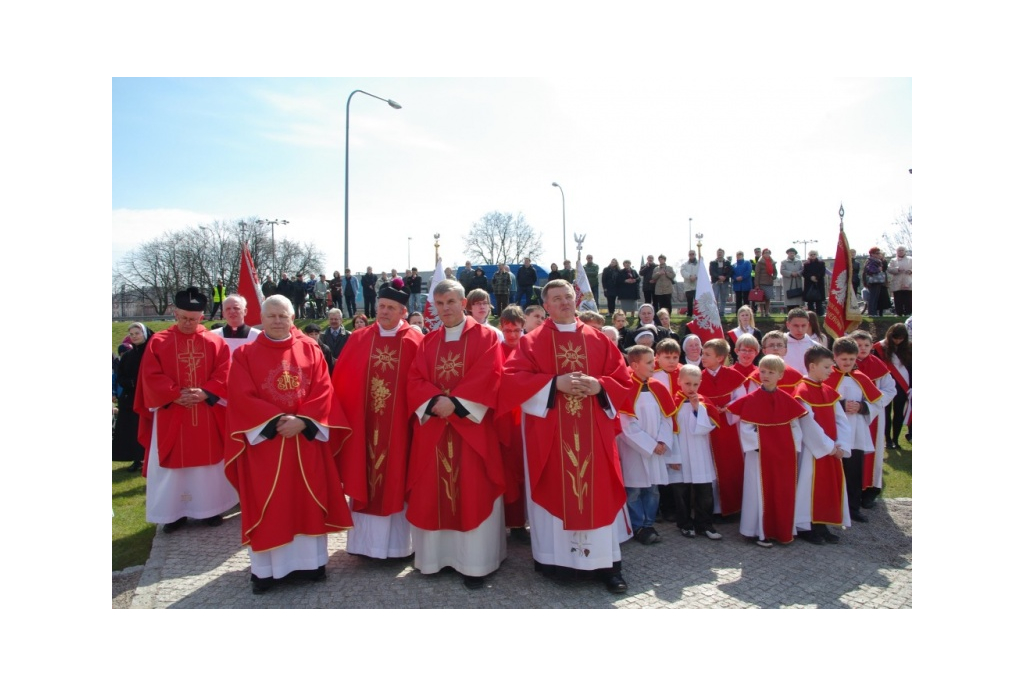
(646,273)
(627,291)
(815,268)
(415,284)
(479,282)
(369,282)
(715,271)
(608,278)
(526,277)
(335,344)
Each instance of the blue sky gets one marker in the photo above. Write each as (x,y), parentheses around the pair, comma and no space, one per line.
(754,161)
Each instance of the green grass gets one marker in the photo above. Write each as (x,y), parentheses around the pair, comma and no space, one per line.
(132,536)
(896,471)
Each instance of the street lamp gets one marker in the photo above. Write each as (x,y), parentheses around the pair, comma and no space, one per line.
(408,254)
(805,243)
(555,184)
(273,246)
(691,233)
(394,105)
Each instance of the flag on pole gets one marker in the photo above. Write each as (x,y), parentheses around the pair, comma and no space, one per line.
(584,295)
(430,318)
(843,314)
(249,287)
(706,323)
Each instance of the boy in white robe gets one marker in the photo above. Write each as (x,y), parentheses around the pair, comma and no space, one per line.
(694,495)
(644,442)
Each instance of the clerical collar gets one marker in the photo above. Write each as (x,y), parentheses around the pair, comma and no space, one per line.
(565,327)
(455,332)
(389,333)
(277,339)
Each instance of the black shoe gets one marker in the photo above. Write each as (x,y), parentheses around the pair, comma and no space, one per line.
(521,535)
(171,527)
(829,537)
(889,445)
(810,536)
(858,517)
(472,582)
(688,532)
(260,585)
(214,521)
(907,436)
(136,466)
(614,583)
(868,503)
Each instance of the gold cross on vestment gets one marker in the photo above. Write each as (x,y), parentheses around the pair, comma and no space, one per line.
(192,358)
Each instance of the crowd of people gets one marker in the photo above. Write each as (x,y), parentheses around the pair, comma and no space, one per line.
(549,427)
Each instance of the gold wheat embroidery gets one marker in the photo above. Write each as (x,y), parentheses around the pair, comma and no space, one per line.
(579,487)
(373,475)
(451,482)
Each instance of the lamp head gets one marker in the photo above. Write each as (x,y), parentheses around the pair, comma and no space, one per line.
(394,104)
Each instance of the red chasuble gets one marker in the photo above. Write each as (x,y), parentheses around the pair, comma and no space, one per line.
(187,436)
(455,466)
(370,379)
(286,486)
(787,384)
(510,436)
(875,369)
(574,466)
(725,440)
(772,413)
(827,481)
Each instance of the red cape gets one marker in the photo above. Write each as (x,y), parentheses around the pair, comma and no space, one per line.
(879,350)
(574,466)
(828,484)
(661,394)
(772,413)
(725,440)
(191,436)
(286,486)
(370,380)
(455,466)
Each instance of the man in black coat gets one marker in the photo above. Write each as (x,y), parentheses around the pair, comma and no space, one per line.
(335,337)
(369,282)
(646,274)
(527,278)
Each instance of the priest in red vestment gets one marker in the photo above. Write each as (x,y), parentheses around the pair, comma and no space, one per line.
(456,478)
(570,381)
(286,432)
(180,401)
(371,380)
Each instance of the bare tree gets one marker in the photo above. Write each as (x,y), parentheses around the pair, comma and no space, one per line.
(901,234)
(499,238)
(201,255)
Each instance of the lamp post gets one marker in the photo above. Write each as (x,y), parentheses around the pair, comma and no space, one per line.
(691,233)
(555,184)
(805,243)
(273,245)
(394,105)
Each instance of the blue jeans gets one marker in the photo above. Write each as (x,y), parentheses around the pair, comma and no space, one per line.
(416,301)
(721,295)
(642,505)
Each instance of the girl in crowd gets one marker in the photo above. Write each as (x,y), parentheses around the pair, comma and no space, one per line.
(895,352)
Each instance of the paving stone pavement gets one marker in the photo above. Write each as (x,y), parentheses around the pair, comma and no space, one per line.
(199,567)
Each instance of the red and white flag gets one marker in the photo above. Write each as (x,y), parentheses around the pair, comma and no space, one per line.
(584,295)
(249,287)
(430,318)
(843,314)
(706,323)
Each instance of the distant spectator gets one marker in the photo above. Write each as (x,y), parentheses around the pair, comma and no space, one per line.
(662,277)
(268,288)
(874,278)
(815,287)
(501,286)
(646,279)
(790,269)
(320,296)
(742,278)
(219,293)
(900,269)
(593,272)
(466,274)
(608,276)
(567,274)
(627,287)
(765,273)
(479,281)
(527,278)
(688,274)
(721,273)
(359,321)
(369,283)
